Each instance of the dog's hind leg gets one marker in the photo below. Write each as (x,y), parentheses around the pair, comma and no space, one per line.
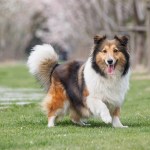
(116,121)
(56,114)
(76,118)
(51,121)
(55,103)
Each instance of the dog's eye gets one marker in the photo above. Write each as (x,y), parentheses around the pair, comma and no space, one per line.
(104,51)
(115,50)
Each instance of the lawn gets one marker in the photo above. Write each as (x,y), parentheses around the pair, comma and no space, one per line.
(25,127)
(16,76)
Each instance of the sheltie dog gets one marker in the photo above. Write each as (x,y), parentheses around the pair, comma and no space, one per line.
(96,87)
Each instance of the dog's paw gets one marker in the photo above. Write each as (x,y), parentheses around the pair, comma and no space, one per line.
(106,117)
(51,125)
(119,126)
(116,123)
(80,122)
(84,123)
(125,127)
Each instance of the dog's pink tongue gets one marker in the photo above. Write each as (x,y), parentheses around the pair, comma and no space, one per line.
(110,69)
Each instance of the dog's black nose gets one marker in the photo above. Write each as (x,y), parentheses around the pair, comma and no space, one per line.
(110,61)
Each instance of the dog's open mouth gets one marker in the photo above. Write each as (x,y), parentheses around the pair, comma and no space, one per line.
(110,69)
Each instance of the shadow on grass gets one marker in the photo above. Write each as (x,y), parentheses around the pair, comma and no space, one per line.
(64,123)
(93,124)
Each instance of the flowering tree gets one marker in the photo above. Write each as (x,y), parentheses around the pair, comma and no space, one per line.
(71,24)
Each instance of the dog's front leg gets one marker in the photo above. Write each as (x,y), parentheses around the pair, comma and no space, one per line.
(99,109)
(116,121)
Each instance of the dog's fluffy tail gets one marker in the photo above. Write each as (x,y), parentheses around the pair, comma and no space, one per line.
(41,62)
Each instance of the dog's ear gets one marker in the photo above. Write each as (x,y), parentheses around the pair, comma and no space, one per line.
(123,39)
(98,39)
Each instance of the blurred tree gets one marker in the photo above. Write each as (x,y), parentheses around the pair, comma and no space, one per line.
(70,24)
(15,27)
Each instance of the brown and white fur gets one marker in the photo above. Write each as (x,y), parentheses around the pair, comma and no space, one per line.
(96,87)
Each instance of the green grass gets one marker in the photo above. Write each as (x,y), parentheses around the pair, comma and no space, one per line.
(16,76)
(25,127)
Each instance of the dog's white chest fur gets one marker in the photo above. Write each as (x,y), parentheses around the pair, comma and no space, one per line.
(110,90)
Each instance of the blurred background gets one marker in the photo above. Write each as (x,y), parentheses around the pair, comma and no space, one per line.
(69,25)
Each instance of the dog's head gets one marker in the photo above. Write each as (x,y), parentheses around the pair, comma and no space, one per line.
(110,56)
